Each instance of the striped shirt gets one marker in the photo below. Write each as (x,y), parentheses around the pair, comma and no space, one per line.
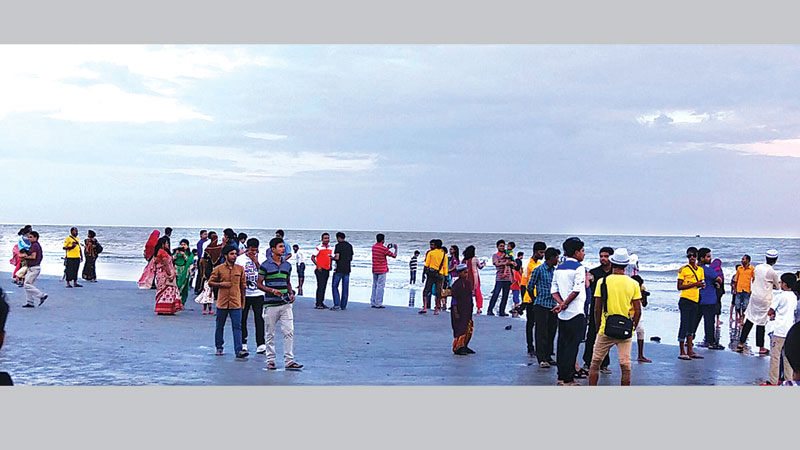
(275,277)
(541,280)
(379,254)
(413,264)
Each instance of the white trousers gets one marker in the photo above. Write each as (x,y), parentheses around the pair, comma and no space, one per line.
(274,315)
(32,291)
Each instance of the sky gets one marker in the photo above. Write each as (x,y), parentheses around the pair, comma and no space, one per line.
(593,139)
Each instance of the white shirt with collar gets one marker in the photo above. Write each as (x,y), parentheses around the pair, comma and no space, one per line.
(569,277)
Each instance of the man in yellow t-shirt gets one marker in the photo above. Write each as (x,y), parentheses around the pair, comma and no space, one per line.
(690,280)
(527,298)
(743,281)
(623,295)
(436,269)
(73,248)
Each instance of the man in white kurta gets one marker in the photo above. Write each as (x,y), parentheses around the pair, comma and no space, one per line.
(766,280)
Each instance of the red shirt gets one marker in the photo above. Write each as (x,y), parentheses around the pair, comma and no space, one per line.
(379,254)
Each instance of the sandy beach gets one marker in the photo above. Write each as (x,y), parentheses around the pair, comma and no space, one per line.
(107,334)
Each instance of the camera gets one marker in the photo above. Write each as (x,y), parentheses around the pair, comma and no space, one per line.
(286,298)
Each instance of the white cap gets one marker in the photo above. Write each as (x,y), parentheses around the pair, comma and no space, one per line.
(620,257)
(772,253)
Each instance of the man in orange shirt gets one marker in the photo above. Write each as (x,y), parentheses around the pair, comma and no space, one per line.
(743,279)
(322,259)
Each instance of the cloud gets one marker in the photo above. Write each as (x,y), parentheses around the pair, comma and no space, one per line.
(681,117)
(777,147)
(229,163)
(266,136)
(71,83)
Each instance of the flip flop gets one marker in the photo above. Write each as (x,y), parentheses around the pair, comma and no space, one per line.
(696,356)
(765,352)
(684,357)
(422,311)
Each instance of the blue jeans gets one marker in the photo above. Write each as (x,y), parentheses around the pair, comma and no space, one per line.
(345,279)
(236,326)
(499,285)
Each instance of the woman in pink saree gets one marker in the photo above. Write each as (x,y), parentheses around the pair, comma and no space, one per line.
(168,297)
(149,273)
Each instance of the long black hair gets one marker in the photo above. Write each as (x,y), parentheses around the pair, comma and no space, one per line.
(160,244)
(469,253)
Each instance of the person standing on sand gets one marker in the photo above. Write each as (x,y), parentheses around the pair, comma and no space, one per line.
(34,259)
(230,280)
(691,279)
(380,268)
(274,278)
(253,297)
(288,256)
(744,281)
(91,250)
(74,256)
(615,297)
(781,311)
(183,259)
(300,264)
(168,297)
(708,301)
(765,281)
(503,277)
(461,312)
(595,275)
(474,265)
(322,261)
(435,270)
(546,320)
(201,248)
(527,296)
(569,292)
(343,255)
(639,328)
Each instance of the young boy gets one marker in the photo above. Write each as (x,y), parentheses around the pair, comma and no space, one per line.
(412,267)
(781,312)
(515,286)
(733,298)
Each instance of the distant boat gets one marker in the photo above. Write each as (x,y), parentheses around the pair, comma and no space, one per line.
(696,235)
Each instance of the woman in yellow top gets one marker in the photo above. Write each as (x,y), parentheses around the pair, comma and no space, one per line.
(435,271)
(690,281)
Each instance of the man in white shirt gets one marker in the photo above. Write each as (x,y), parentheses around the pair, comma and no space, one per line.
(250,260)
(765,281)
(781,312)
(300,262)
(569,291)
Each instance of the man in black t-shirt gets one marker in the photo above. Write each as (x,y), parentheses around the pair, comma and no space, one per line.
(343,255)
(597,274)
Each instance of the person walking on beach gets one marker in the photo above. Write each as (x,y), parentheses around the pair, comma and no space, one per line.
(74,256)
(380,268)
(435,270)
(251,261)
(744,280)
(168,297)
(412,267)
(708,301)
(343,255)
(765,281)
(474,265)
(527,296)
(781,312)
(461,312)
(691,278)
(183,259)
(595,275)
(34,261)
(545,319)
(322,261)
(274,279)
(503,277)
(639,327)
(229,278)
(569,292)
(300,264)
(616,296)
(92,249)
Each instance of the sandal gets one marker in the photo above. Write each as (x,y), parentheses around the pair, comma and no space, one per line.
(293,366)
(271,365)
(765,352)
(685,357)
(436,312)
(740,348)
(696,356)
(581,374)
(422,311)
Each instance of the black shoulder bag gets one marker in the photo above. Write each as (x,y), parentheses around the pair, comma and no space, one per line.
(617,326)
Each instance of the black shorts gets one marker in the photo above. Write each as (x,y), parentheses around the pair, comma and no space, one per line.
(301,270)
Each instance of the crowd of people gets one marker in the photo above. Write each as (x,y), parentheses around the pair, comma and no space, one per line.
(564,302)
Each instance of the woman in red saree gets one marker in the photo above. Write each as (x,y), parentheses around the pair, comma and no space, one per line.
(168,297)
(146,281)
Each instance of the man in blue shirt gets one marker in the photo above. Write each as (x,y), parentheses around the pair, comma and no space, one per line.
(545,320)
(708,301)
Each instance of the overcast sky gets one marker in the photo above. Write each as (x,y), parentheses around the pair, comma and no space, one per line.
(675,140)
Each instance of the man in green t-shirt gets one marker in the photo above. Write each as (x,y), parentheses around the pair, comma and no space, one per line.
(623,294)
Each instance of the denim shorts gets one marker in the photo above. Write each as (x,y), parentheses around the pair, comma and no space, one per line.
(742,299)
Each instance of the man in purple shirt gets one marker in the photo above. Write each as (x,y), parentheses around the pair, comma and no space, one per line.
(503,263)
(34,260)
